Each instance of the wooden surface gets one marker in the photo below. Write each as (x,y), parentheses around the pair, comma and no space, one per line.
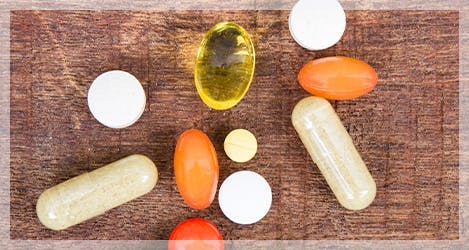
(406,129)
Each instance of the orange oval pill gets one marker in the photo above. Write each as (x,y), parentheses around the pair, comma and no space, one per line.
(196,168)
(337,77)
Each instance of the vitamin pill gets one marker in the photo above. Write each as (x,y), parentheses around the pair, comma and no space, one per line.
(116,99)
(240,145)
(224,66)
(337,78)
(196,168)
(195,233)
(332,149)
(245,197)
(317,24)
(91,194)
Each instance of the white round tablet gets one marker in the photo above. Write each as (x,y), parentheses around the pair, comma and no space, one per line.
(317,24)
(245,197)
(116,99)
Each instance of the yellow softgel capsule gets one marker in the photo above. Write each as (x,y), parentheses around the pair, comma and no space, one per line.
(91,194)
(224,66)
(240,145)
(332,149)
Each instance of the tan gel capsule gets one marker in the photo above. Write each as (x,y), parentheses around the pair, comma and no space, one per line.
(332,149)
(91,194)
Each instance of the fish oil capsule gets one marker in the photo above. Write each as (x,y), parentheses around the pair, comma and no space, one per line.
(224,66)
(91,194)
(332,149)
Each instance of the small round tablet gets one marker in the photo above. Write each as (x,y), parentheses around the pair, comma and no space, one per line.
(245,197)
(317,24)
(240,145)
(116,99)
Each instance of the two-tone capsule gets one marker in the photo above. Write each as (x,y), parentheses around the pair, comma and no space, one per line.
(332,149)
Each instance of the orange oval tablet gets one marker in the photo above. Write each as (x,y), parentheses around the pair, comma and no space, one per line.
(196,168)
(337,77)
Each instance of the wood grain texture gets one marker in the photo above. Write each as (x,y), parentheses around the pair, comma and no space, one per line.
(406,129)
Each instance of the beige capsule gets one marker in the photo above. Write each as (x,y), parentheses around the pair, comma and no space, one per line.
(91,194)
(332,149)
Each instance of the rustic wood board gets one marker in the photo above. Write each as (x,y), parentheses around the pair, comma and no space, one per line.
(406,129)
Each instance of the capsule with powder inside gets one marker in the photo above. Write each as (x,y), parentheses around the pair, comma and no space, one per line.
(332,149)
(91,194)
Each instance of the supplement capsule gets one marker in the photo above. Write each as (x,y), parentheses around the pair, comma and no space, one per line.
(196,168)
(337,77)
(332,149)
(224,66)
(91,194)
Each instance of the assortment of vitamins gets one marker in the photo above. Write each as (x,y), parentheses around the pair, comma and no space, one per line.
(224,71)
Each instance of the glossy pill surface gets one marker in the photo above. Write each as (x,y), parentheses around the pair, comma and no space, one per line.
(332,149)
(337,78)
(196,168)
(224,66)
(91,194)
(196,234)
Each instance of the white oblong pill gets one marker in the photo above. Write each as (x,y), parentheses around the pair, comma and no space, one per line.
(245,197)
(317,24)
(116,99)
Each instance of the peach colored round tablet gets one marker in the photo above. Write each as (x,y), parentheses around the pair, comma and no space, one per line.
(240,145)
